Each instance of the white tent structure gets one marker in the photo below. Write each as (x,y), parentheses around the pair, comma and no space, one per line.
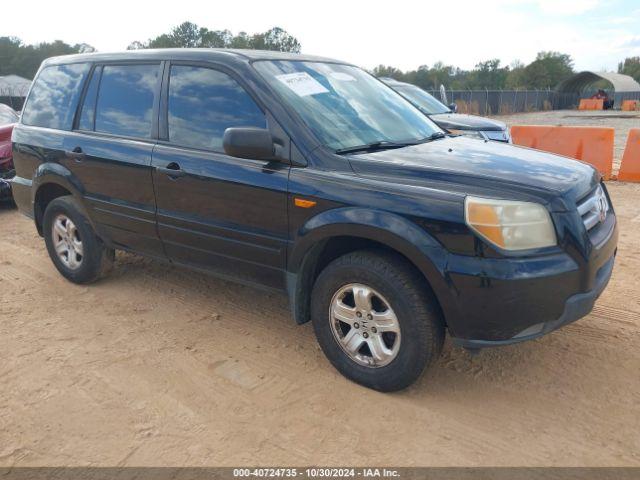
(581,81)
(14,86)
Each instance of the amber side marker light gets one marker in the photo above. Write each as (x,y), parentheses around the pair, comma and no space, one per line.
(302,203)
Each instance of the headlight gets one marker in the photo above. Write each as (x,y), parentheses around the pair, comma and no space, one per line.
(467,133)
(510,225)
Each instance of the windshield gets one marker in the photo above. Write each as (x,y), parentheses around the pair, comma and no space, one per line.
(344,106)
(421,99)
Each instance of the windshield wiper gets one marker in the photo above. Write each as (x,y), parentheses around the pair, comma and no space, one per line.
(374,146)
(386,145)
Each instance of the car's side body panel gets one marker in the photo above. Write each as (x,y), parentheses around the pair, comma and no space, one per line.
(115,175)
(223,213)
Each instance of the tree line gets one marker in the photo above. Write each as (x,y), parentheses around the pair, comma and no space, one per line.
(19,59)
(546,71)
(190,35)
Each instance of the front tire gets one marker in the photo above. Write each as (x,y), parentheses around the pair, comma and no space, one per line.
(76,251)
(376,320)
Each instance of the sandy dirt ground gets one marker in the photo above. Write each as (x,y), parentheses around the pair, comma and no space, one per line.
(157,365)
(620,121)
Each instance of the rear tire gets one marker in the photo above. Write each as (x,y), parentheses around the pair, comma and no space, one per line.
(76,251)
(401,310)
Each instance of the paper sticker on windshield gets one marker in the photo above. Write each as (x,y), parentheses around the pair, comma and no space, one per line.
(302,83)
(343,77)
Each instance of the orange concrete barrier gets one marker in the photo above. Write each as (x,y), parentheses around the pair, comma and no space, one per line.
(593,145)
(630,166)
(630,105)
(591,104)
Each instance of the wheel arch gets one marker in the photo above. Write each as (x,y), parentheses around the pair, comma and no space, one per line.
(337,232)
(50,181)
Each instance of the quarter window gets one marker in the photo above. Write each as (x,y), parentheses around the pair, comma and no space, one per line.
(203,103)
(54,96)
(125,100)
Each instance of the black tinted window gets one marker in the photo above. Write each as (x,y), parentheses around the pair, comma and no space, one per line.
(54,96)
(203,103)
(125,100)
(87,114)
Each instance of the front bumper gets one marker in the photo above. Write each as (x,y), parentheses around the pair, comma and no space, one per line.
(576,307)
(504,301)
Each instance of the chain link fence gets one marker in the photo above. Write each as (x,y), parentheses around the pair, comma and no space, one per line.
(504,102)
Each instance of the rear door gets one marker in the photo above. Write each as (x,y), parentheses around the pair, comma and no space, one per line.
(110,149)
(217,212)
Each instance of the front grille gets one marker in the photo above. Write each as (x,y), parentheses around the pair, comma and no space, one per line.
(594,208)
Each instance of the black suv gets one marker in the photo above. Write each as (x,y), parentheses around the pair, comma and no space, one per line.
(308,175)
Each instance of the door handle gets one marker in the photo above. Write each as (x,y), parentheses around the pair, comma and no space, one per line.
(172,170)
(76,154)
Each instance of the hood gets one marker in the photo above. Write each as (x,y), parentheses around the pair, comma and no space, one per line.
(459,121)
(470,166)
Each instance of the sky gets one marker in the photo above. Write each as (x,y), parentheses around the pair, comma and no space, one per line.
(401,33)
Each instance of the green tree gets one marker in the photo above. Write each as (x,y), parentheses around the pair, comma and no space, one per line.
(440,74)
(548,70)
(216,39)
(630,66)
(391,72)
(190,35)
(489,75)
(275,39)
(516,76)
(24,60)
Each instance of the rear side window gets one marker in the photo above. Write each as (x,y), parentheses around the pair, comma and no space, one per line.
(203,103)
(125,100)
(54,96)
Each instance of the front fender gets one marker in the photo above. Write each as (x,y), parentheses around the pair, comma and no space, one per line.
(394,231)
(388,228)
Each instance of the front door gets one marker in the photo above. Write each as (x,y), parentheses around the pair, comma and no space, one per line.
(214,211)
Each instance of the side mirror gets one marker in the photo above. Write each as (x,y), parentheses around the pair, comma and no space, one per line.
(248,142)
(453,107)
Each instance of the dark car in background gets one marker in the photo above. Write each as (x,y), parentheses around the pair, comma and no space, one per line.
(8,118)
(309,176)
(446,118)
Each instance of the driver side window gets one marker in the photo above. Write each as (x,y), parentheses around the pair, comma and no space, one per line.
(203,103)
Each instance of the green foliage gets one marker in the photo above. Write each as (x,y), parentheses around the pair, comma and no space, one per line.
(190,35)
(19,59)
(546,71)
(631,67)
(515,76)
(488,74)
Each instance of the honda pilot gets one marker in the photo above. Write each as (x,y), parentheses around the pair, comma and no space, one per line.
(307,175)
